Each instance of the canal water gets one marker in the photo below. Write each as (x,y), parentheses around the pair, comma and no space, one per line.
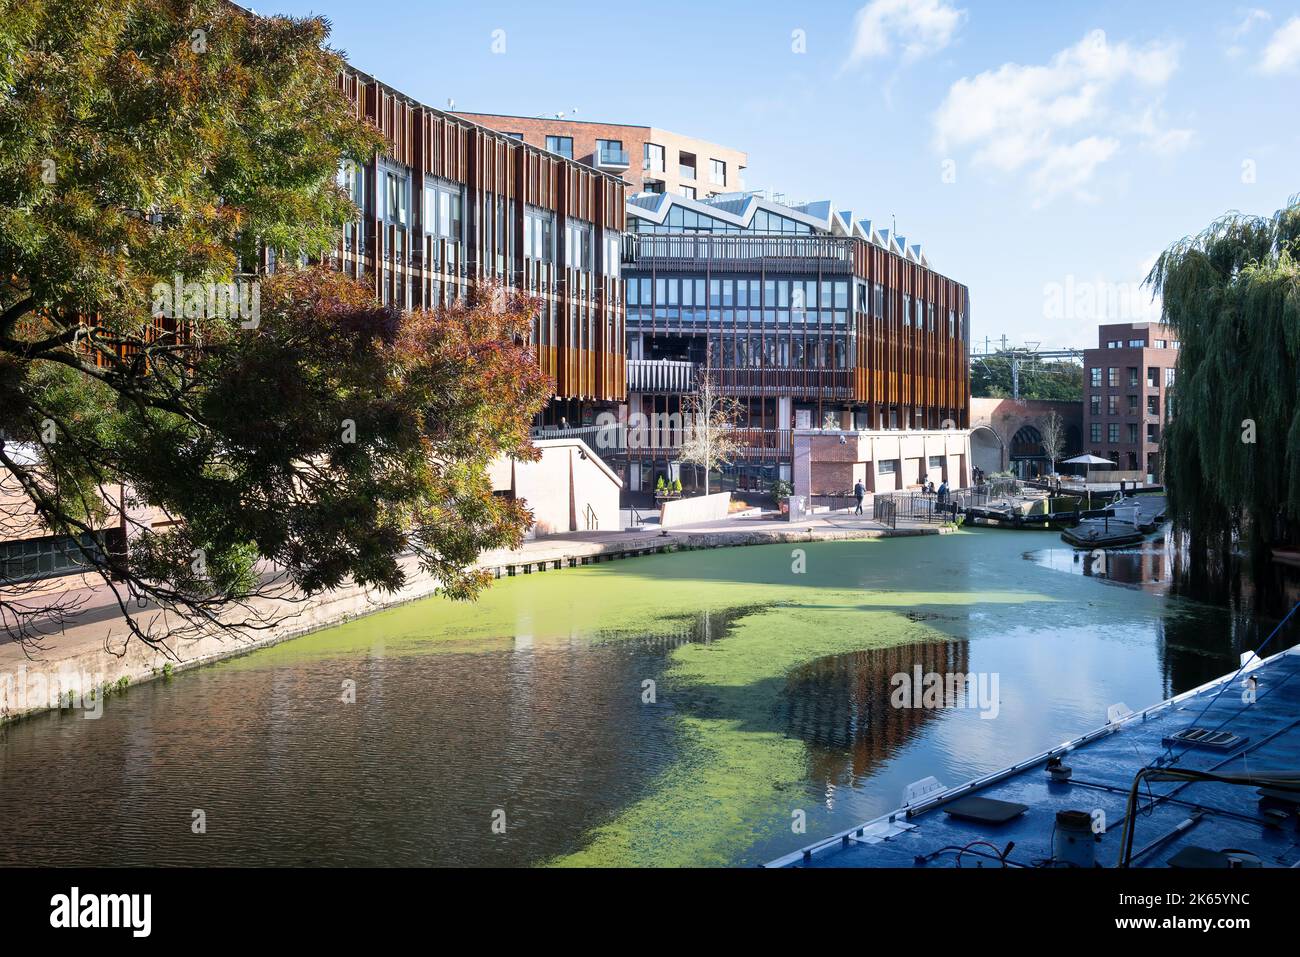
(716,707)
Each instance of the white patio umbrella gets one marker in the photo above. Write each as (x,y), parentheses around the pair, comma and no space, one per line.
(1087,459)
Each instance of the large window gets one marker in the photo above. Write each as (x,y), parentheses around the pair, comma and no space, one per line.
(539,242)
(685,165)
(352,179)
(443,209)
(45,557)
(560,144)
(717,172)
(396,197)
(654,158)
(610,151)
(578,246)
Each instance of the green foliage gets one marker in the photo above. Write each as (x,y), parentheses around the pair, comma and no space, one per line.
(317,443)
(990,378)
(1232,451)
(780,488)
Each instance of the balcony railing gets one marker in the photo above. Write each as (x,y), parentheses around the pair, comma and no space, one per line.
(661,375)
(689,251)
(662,435)
(610,157)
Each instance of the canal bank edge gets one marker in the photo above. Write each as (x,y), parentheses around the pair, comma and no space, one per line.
(86,650)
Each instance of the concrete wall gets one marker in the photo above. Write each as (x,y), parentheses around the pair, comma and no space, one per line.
(568,490)
(830,462)
(688,511)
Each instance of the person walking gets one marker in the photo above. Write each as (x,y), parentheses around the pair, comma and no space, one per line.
(943,494)
(859,492)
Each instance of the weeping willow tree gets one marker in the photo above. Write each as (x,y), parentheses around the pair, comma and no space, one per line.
(1232,451)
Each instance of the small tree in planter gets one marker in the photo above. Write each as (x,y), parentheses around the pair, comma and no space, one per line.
(710,422)
(1053,432)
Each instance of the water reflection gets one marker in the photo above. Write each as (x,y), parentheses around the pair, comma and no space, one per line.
(841,706)
(1148,565)
(778,698)
(1238,603)
(287,774)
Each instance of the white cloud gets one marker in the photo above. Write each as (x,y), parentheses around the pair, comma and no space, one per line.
(919,27)
(1252,17)
(1244,26)
(1159,139)
(1067,169)
(1057,123)
(1283,51)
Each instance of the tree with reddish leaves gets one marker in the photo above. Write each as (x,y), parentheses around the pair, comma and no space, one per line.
(280,435)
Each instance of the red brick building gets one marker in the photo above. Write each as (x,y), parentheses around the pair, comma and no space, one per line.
(648,159)
(1127,395)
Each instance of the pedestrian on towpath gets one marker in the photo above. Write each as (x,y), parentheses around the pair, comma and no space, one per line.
(859,491)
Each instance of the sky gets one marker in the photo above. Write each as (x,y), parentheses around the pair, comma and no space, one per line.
(1044,153)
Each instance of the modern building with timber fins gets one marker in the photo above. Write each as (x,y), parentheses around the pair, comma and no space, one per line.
(811,319)
(450,203)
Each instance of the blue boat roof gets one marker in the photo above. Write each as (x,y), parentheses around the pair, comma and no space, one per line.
(1173,818)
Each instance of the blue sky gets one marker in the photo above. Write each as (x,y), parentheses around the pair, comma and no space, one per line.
(1040,162)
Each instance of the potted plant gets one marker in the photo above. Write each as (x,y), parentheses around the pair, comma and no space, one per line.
(781,491)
